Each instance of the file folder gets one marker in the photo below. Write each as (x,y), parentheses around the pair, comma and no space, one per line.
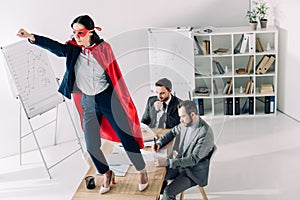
(251,42)
(244,43)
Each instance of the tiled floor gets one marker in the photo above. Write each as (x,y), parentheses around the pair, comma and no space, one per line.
(257,158)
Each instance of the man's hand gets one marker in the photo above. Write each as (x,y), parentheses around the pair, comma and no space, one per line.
(155,147)
(158,105)
(161,162)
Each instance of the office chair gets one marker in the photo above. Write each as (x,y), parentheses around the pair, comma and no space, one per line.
(201,189)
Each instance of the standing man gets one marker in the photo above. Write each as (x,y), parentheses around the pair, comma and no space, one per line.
(194,145)
(161,110)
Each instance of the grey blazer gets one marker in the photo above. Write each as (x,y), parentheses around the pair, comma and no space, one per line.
(195,159)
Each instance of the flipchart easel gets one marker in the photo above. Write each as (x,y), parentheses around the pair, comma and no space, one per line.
(33,83)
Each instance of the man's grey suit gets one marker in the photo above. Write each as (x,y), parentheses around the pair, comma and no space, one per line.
(191,166)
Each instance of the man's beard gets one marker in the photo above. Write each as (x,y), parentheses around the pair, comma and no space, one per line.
(190,122)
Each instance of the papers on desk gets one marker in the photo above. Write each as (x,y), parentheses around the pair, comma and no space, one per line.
(148,134)
(118,156)
(119,170)
(118,160)
(151,155)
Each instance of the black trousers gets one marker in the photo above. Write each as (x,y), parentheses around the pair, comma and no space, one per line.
(108,104)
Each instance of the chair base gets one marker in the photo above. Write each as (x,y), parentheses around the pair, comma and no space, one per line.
(202,191)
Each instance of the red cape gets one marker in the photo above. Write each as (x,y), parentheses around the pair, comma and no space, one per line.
(106,59)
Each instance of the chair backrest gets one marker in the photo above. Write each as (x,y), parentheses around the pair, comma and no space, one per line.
(201,189)
(211,153)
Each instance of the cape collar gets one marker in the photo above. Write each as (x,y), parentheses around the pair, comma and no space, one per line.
(85,50)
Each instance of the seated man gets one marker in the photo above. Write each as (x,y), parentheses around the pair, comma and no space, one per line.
(161,110)
(192,150)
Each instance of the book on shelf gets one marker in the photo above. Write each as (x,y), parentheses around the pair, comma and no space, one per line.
(272,104)
(251,105)
(250,64)
(225,106)
(261,64)
(206,45)
(240,71)
(220,68)
(226,87)
(196,100)
(215,88)
(267,65)
(200,106)
(267,104)
(229,91)
(244,43)
(251,42)
(247,87)
(251,87)
(228,106)
(266,88)
(221,51)
(245,106)
(200,73)
(259,47)
(199,47)
(217,67)
(202,91)
(237,106)
(238,46)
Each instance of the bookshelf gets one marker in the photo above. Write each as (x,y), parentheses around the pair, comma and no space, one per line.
(253,92)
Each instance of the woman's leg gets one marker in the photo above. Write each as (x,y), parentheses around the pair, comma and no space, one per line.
(111,108)
(91,133)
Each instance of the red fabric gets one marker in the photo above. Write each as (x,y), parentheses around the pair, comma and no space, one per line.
(105,57)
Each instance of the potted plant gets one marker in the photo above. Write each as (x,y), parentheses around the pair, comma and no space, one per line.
(262,10)
(252,17)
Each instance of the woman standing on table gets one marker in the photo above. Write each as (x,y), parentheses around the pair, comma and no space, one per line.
(100,93)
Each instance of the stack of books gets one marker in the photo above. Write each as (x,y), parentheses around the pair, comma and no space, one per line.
(228,87)
(221,51)
(202,91)
(217,68)
(203,47)
(266,88)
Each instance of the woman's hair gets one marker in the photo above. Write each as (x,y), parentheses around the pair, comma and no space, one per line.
(189,106)
(89,24)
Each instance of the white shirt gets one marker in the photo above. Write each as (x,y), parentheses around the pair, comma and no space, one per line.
(90,77)
(161,112)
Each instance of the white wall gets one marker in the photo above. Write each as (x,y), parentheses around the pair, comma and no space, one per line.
(287,16)
(124,25)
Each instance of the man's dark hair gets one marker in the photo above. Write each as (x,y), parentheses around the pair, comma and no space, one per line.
(189,106)
(89,24)
(164,82)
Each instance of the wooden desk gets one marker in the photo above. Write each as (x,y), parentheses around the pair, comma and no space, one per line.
(126,187)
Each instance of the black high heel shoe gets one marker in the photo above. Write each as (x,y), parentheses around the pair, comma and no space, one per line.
(111,181)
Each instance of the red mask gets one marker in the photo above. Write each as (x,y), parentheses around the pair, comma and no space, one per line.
(81,32)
